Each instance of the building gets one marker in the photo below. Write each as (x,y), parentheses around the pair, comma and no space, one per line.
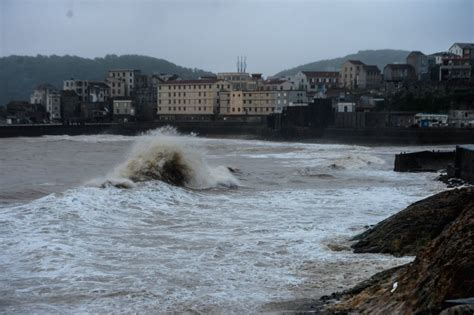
(456,68)
(437,58)
(193,98)
(461,118)
(355,74)
(88,91)
(277,85)
(146,96)
(419,62)
(463,50)
(287,98)
(398,73)
(70,106)
(314,82)
(123,109)
(48,96)
(424,120)
(345,107)
(21,112)
(241,80)
(122,82)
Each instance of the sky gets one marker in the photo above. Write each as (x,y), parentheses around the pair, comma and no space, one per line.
(209,34)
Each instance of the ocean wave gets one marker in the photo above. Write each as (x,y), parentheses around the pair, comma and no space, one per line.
(165,155)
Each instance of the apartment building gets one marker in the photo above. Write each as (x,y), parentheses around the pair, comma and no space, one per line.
(88,91)
(290,98)
(122,82)
(192,97)
(355,74)
(123,109)
(48,96)
(420,62)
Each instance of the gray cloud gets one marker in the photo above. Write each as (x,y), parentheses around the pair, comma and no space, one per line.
(274,35)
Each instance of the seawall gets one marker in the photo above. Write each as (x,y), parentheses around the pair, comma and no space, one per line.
(373,136)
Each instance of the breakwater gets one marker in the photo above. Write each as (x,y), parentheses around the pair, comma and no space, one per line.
(424,161)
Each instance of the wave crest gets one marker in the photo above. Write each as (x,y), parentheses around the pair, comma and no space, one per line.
(174,159)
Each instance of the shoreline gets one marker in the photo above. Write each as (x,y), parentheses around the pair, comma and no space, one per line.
(411,287)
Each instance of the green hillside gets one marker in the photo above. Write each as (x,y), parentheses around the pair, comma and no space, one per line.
(379,57)
(19,75)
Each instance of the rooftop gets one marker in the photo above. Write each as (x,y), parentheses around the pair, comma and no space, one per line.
(321,73)
(356,62)
(202,81)
(465,45)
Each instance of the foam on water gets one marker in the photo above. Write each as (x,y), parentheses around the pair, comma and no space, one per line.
(160,247)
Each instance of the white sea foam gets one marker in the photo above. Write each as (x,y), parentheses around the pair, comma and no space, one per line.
(163,154)
(163,248)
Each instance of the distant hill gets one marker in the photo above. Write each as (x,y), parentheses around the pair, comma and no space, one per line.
(379,57)
(19,75)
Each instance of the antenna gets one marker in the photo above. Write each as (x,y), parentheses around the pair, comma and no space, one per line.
(245,64)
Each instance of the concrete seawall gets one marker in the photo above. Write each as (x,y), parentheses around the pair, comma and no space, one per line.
(424,161)
(374,136)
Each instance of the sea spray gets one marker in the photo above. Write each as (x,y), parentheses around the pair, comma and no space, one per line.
(165,155)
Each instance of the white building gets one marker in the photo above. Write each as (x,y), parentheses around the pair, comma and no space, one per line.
(48,96)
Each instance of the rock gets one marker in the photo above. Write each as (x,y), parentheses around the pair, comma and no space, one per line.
(408,231)
(443,270)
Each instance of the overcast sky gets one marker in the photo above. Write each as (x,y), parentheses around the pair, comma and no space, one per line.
(274,35)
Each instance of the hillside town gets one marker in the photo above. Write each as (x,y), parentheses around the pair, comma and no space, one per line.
(358,95)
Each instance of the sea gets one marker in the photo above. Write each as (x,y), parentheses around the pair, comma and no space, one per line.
(167,222)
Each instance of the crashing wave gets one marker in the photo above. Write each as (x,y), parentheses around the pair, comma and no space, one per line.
(166,156)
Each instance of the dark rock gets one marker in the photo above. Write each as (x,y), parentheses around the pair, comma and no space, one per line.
(443,270)
(408,231)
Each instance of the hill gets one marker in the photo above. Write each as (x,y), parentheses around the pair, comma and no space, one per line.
(379,57)
(19,75)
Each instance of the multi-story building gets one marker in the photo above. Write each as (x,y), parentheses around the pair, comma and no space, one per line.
(242,80)
(398,73)
(355,74)
(456,68)
(124,110)
(437,58)
(88,91)
(122,82)
(78,86)
(192,97)
(463,50)
(419,62)
(48,96)
(277,85)
(290,98)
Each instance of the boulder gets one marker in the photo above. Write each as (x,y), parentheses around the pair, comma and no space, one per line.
(410,230)
(443,270)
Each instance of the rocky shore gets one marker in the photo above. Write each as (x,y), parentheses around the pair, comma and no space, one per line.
(439,230)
